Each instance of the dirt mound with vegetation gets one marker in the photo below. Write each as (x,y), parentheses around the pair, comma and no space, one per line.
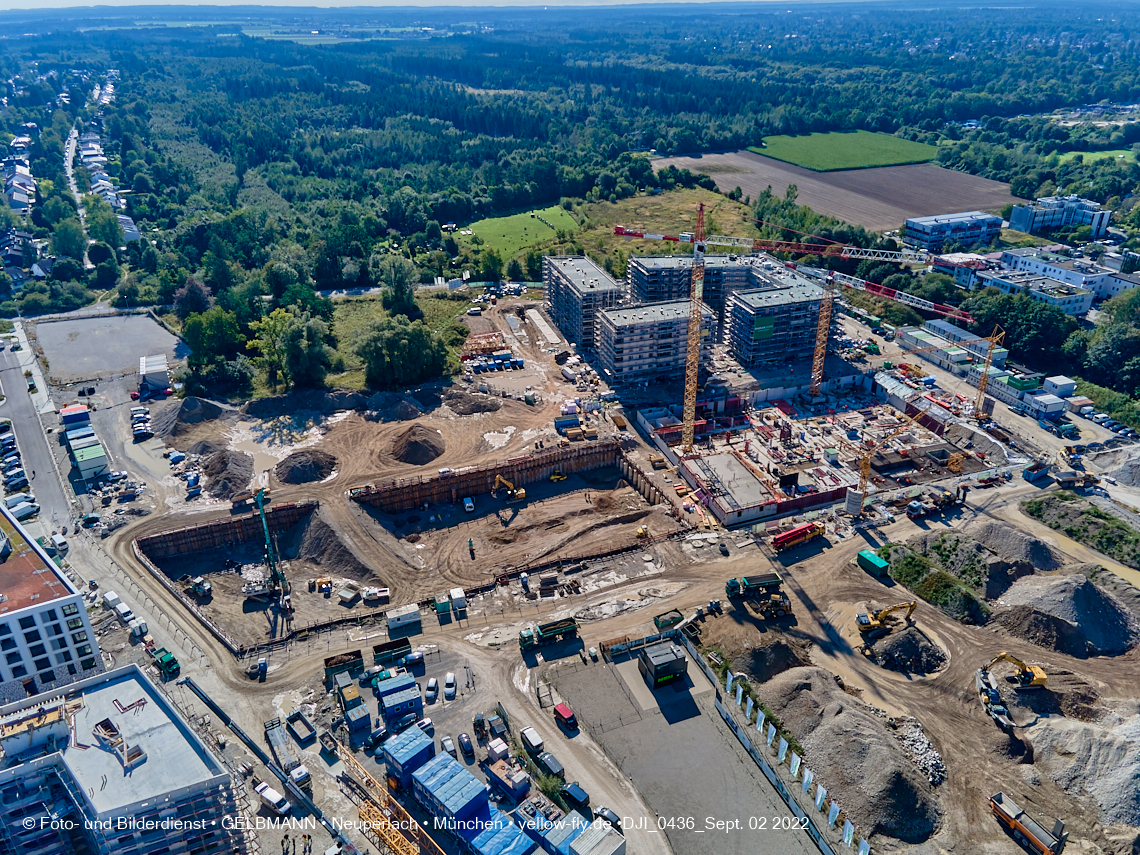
(986,557)
(1106,624)
(958,593)
(418,445)
(465,404)
(1014,545)
(868,770)
(910,652)
(1087,524)
(1044,630)
(179,417)
(305,466)
(228,473)
(763,663)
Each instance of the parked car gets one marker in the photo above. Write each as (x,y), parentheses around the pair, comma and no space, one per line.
(449,686)
(609,816)
(411,660)
(448,745)
(117,476)
(426,725)
(432,691)
(405,722)
(465,746)
(376,737)
(575,795)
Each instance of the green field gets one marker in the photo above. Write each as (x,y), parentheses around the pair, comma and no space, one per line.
(511,235)
(1090,156)
(857,150)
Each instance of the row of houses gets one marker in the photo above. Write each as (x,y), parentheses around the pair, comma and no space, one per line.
(19,185)
(94,160)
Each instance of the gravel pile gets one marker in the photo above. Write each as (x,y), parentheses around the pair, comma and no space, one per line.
(1105,622)
(465,404)
(763,663)
(305,466)
(1128,472)
(1015,545)
(311,401)
(418,445)
(317,542)
(180,416)
(909,651)
(393,407)
(1044,630)
(204,448)
(918,748)
(867,769)
(228,473)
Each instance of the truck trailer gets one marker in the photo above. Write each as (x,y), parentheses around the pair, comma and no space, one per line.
(547,633)
(278,738)
(1026,830)
(794,537)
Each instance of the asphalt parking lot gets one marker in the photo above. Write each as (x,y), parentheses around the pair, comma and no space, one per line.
(98,347)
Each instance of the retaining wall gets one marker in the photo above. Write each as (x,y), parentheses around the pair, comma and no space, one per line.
(211,535)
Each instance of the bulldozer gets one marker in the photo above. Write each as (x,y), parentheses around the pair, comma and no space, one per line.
(874,625)
(200,588)
(513,494)
(557,475)
(1027,677)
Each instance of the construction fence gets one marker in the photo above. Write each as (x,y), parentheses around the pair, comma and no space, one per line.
(231,532)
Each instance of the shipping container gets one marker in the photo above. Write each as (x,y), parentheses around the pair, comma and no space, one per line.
(872,563)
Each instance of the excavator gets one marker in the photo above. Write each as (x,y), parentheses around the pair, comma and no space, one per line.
(513,494)
(874,625)
(1028,676)
(557,475)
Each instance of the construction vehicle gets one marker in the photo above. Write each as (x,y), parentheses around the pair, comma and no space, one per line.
(164,660)
(557,475)
(991,699)
(1027,677)
(763,591)
(277,582)
(657,461)
(1026,830)
(548,633)
(513,494)
(875,625)
(200,588)
(642,531)
(289,760)
(795,536)
(916,509)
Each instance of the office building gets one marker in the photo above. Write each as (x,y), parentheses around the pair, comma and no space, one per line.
(107,766)
(1070,299)
(969,228)
(645,342)
(577,289)
(1058,212)
(46,640)
(1102,281)
(773,326)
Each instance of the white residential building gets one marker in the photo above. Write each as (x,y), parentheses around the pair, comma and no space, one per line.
(645,342)
(1071,299)
(1055,212)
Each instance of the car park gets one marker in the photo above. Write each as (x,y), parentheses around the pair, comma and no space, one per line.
(449,686)
(432,691)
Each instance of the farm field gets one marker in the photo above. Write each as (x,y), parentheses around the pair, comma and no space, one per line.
(511,235)
(826,152)
(1091,156)
(877,199)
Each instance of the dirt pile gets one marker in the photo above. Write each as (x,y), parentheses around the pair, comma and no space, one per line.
(1104,621)
(312,401)
(1086,523)
(867,770)
(179,417)
(971,560)
(393,407)
(305,466)
(1014,545)
(960,435)
(204,448)
(465,404)
(910,652)
(1128,472)
(228,473)
(1044,630)
(763,663)
(418,445)
(317,542)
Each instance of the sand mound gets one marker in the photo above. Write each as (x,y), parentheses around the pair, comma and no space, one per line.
(418,445)
(764,663)
(204,448)
(393,407)
(1044,630)
(305,466)
(318,543)
(1015,545)
(311,401)
(179,416)
(465,404)
(868,771)
(1128,472)
(909,651)
(228,473)
(1104,621)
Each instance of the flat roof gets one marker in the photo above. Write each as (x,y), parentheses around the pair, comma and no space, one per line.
(662,652)
(584,275)
(405,746)
(762,298)
(175,757)
(28,577)
(737,481)
(91,453)
(684,261)
(451,784)
(653,313)
(962,217)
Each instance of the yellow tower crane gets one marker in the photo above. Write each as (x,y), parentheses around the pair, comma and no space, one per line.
(996,338)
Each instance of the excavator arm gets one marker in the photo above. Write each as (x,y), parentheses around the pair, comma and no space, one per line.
(889,610)
(1028,676)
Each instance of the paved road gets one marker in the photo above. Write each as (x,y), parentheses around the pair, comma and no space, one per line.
(36,455)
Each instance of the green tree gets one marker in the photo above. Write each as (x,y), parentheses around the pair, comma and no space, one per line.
(56,210)
(192,298)
(492,265)
(269,342)
(533,262)
(99,252)
(515,270)
(69,239)
(102,224)
(106,275)
(399,278)
(308,355)
(212,334)
(397,352)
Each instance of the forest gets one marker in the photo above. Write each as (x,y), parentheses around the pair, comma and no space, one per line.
(263,171)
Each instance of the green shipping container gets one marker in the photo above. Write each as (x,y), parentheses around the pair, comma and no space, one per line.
(872,563)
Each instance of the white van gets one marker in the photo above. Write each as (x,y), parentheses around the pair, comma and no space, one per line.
(111,600)
(273,799)
(124,612)
(531,741)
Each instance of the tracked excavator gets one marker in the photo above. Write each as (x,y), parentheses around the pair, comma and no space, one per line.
(1028,676)
(875,625)
(513,494)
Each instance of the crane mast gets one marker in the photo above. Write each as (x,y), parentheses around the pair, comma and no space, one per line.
(693,346)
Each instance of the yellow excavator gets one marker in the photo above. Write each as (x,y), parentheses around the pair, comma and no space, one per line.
(875,624)
(1028,676)
(513,494)
(557,475)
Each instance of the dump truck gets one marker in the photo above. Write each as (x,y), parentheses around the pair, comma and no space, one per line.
(1026,830)
(288,759)
(916,510)
(795,536)
(164,660)
(547,633)
(763,591)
